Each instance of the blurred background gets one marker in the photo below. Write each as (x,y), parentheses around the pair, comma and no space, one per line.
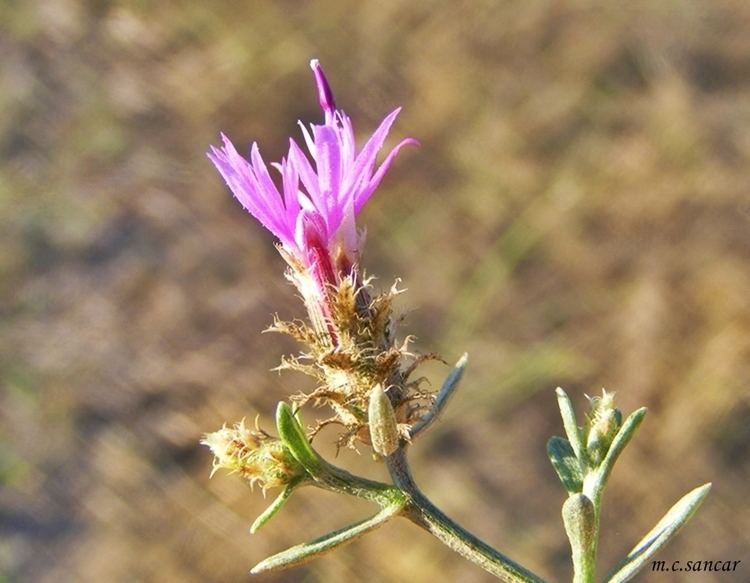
(577,215)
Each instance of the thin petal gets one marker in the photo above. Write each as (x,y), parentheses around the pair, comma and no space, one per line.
(241,179)
(360,198)
(307,175)
(345,132)
(366,159)
(290,183)
(329,172)
(308,140)
(268,188)
(237,175)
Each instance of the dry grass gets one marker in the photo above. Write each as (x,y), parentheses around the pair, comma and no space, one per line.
(578,214)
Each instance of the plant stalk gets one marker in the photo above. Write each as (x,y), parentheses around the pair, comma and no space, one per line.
(426,515)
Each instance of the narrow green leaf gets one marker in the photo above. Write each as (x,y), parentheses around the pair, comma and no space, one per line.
(451,382)
(294,438)
(274,507)
(571,425)
(623,437)
(446,392)
(659,536)
(566,464)
(305,552)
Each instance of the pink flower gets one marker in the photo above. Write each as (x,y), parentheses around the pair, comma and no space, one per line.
(313,214)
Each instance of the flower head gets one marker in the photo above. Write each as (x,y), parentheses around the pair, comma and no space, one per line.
(312,214)
(254,454)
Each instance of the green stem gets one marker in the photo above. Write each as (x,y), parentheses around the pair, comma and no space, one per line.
(339,480)
(593,487)
(403,498)
(427,516)
(325,475)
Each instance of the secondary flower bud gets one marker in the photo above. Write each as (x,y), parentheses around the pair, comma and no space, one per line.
(579,519)
(255,455)
(382,422)
(604,421)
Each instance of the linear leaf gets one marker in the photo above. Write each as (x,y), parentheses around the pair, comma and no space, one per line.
(659,536)
(294,438)
(621,439)
(305,552)
(566,464)
(446,392)
(570,424)
(274,507)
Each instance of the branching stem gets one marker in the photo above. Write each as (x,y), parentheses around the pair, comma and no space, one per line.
(426,515)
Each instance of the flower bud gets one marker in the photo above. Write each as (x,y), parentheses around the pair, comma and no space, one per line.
(604,421)
(579,519)
(255,455)
(382,421)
